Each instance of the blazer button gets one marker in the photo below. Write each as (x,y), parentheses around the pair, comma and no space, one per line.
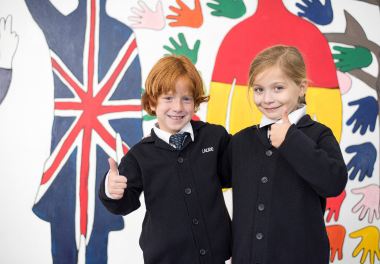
(259,236)
(187,190)
(202,252)
(195,221)
(261,207)
(180,160)
(264,179)
(269,153)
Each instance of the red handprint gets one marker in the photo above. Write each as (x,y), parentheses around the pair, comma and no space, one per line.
(187,17)
(334,204)
(336,235)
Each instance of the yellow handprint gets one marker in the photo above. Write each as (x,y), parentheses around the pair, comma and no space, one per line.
(369,243)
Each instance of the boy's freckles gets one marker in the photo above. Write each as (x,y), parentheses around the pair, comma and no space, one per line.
(174,111)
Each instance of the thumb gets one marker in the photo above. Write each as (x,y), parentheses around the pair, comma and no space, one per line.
(285,118)
(113,168)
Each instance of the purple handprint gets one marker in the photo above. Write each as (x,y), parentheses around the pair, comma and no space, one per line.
(364,160)
(370,201)
(366,115)
(316,12)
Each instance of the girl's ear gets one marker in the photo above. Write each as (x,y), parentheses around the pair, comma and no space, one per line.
(303,88)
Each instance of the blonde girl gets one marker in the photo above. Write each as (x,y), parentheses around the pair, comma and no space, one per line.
(282,169)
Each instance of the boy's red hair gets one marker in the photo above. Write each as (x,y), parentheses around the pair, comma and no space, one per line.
(163,77)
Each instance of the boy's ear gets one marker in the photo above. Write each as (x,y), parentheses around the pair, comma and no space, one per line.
(152,107)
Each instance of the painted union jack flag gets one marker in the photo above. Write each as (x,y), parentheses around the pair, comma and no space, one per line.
(97,90)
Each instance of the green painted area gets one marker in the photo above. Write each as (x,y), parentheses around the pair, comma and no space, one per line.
(228,8)
(183,48)
(148,117)
(352,58)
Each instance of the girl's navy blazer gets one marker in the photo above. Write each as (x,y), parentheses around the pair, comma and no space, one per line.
(186,219)
(279,195)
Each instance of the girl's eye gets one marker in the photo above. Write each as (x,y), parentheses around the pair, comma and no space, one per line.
(278,88)
(259,90)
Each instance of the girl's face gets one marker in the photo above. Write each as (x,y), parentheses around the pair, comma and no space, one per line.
(273,90)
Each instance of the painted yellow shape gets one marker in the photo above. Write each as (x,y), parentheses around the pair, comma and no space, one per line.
(325,104)
(369,243)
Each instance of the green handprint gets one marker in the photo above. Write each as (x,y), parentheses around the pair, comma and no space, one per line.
(228,8)
(352,58)
(183,49)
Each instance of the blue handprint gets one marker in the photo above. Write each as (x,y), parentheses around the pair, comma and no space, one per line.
(366,115)
(316,12)
(364,160)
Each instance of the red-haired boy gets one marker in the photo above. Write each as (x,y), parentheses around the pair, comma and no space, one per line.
(186,219)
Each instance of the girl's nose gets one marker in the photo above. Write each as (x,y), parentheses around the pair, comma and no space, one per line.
(268,98)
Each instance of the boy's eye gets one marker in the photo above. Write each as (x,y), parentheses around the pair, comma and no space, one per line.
(168,98)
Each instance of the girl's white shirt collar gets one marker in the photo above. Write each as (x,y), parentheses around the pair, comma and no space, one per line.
(294,117)
(165,136)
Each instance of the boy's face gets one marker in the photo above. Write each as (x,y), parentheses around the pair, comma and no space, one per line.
(174,111)
(272,91)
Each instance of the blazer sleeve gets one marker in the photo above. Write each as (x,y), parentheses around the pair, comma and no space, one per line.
(320,163)
(224,160)
(131,199)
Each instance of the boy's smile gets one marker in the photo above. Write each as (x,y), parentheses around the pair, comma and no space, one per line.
(174,111)
(273,90)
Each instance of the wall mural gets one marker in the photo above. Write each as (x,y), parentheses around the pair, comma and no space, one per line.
(71,76)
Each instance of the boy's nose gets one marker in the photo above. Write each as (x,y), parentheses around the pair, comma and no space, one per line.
(177,105)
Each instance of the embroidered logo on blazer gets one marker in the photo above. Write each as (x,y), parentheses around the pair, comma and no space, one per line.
(207,150)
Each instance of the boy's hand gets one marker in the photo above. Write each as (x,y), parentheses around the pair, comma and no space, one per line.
(116,183)
(278,131)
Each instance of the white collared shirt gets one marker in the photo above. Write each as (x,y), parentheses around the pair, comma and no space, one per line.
(294,117)
(165,136)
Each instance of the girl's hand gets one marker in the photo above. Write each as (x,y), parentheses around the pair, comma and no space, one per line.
(278,132)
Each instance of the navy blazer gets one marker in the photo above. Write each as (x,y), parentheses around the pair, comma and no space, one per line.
(186,219)
(279,195)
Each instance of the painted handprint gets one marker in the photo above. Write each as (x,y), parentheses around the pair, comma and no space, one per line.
(333,204)
(336,235)
(147,18)
(370,201)
(187,17)
(366,115)
(184,49)
(352,58)
(364,160)
(8,43)
(316,12)
(228,8)
(369,243)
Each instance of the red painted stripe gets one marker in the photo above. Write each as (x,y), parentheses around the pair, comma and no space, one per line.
(68,106)
(83,188)
(104,134)
(72,83)
(118,108)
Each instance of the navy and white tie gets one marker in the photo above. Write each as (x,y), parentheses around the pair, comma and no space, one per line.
(177,140)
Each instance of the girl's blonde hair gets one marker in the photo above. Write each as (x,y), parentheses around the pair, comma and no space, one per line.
(287,58)
(163,77)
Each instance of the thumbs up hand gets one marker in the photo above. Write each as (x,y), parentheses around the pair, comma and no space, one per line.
(116,183)
(278,131)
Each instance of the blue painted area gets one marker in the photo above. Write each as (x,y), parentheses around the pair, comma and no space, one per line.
(57,207)
(316,12)
(363,161)
(60,89)
(127,88)
(130,129)
(104,221)
(113,37)
(60,127)
(64,34)
(5,82)
(365,116)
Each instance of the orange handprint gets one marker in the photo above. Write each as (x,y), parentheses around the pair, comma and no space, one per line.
(369,243)
(187,17)
(336,235)
(333,204)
